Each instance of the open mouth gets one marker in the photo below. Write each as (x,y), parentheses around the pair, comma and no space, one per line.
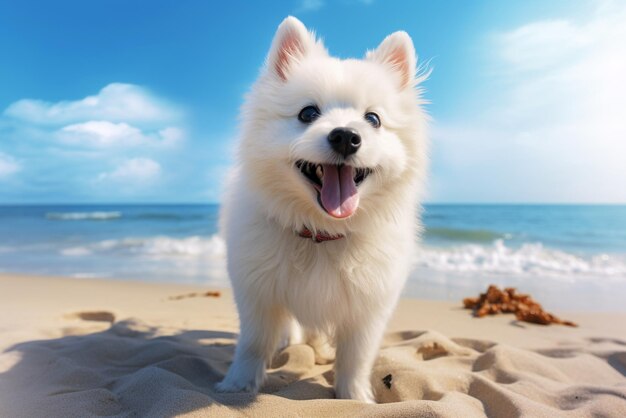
(336,185)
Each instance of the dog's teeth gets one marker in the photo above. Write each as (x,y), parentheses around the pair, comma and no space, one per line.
(319,172)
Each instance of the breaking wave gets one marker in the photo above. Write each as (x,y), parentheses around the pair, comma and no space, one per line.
(82,216)
(160,246)
(531,259)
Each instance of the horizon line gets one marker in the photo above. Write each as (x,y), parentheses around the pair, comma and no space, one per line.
(198,203)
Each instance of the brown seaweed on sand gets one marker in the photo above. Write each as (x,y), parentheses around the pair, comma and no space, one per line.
(525,308)
(208,294)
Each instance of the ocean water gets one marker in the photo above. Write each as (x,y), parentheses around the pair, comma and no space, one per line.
(569,257)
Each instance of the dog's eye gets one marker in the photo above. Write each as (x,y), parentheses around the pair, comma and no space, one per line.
(373,119)
(309,114)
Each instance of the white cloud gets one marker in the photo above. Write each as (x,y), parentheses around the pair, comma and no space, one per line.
(119,116)
(310,5)
(540,44)
(556,127)
(73,144)
(8,165)
(171,135)
(315,5)
(133,172)
(103,134)
(117,102)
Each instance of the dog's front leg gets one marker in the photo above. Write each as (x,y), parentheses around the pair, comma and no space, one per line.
(356,352)
(261,329)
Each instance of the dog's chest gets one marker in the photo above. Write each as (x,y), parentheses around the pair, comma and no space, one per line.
(328,282)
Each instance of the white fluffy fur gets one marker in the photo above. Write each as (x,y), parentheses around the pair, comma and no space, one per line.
(341,293)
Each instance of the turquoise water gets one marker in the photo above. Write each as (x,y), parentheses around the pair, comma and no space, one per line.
(582,229)
(570,257)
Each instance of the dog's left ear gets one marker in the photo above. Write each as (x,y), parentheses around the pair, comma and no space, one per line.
(397,52)
(291,43)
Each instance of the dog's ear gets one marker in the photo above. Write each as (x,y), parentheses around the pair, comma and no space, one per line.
(291,43)
(396,52)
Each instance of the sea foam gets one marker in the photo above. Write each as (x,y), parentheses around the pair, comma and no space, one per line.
(531,259)
(160,246)
(82,216)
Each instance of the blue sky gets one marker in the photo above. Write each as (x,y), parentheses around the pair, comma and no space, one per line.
(137,101)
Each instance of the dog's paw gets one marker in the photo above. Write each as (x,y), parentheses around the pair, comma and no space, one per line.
(324,351)
(357,392)
(238,379)
(230,386)
(324,354)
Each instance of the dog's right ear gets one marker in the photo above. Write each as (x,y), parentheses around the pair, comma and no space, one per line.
(291,43)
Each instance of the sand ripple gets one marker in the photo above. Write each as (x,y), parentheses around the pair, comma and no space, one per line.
(137,369)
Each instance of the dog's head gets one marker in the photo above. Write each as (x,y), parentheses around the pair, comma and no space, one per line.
(326,139)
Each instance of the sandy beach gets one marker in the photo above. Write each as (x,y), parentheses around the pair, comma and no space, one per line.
(72,347)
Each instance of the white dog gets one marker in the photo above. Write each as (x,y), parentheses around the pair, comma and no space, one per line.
(321,211)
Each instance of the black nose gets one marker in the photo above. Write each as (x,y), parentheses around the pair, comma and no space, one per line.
(345,141)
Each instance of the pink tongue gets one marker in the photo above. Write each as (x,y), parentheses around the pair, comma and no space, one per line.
(339,195)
